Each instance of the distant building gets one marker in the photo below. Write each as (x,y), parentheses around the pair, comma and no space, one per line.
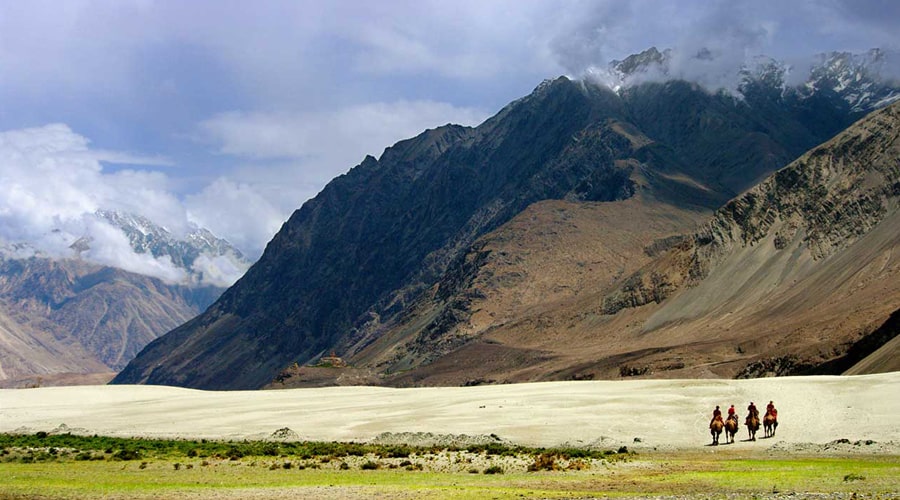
(332,360)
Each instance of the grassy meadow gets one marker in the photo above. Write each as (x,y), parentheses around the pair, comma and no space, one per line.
(67,466)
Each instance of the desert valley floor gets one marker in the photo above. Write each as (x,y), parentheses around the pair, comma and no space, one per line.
(648,414)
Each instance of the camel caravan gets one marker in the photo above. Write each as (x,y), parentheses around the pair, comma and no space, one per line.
(730,425)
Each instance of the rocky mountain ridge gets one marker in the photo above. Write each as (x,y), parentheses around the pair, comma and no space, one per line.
(352,268)
(823,202)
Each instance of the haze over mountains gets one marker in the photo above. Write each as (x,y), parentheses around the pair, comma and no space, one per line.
(552,241)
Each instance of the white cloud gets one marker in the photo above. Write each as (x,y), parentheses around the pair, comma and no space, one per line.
(110,247)
(51,185)
(239,211)
(219,270)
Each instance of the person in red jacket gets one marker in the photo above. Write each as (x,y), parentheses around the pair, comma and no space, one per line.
(732,413)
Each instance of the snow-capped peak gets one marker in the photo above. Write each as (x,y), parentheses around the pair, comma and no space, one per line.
(865,81)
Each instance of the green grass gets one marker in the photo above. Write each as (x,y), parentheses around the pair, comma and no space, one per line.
(47,467)
(238,449)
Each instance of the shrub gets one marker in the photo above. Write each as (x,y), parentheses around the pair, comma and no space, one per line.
(126,455)
(494,469)
(578,465)
(633,371)
(234,453)
(370,465)
(544,461)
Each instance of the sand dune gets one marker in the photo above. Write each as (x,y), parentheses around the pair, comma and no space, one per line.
(661,413)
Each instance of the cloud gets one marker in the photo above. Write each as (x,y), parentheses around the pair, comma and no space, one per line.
(217,270)
(51,185)
(110,247)
(239,211)
(728,34)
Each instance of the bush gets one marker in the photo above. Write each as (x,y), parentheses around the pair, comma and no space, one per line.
(126,455)
(234,453)
(578,465)
(544,461)
(370,465)
(494,469)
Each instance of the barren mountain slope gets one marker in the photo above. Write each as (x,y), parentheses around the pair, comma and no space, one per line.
(539,262)
(886,358)
(25,351)
(783,279)
(71,316)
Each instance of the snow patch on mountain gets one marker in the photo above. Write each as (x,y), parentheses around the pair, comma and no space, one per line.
(865,81)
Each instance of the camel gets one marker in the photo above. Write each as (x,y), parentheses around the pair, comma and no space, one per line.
(770,423)
(715,428)
(731,428)
(752,424)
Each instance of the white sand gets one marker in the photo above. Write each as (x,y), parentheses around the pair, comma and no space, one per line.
(662,413)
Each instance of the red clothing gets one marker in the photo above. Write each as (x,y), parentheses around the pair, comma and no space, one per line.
(731,411)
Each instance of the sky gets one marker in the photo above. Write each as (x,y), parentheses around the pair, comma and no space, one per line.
(230,114)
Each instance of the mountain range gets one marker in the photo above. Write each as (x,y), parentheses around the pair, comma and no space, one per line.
(69,319)
(583,231)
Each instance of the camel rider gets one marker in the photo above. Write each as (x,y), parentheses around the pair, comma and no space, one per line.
(752,412)
(732,413)
(770,410)
(717,415)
